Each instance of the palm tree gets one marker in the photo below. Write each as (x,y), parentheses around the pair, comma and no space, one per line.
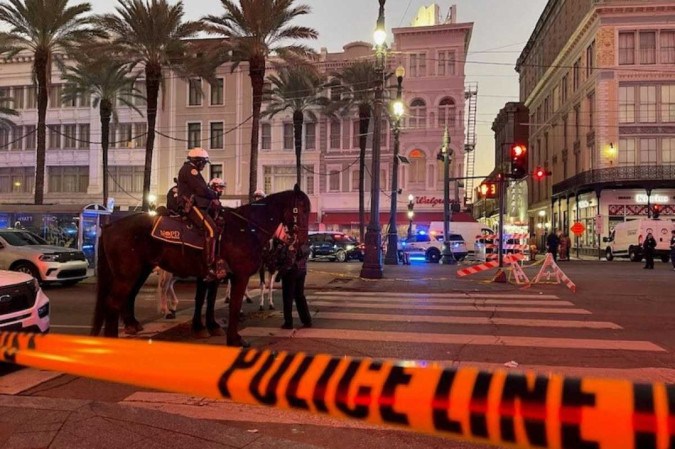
(358,82)
(5,110)
(296,89)
(152,34)
(253,31)
(49,30)
(106,80)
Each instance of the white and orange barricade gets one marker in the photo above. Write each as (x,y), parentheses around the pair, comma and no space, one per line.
(549,270)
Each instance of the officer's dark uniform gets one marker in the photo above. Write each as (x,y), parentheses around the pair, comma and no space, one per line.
(172,204)
(191,184)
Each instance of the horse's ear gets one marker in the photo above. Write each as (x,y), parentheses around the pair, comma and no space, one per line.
(296,189)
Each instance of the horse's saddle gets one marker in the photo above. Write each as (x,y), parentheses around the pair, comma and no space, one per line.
(177,230)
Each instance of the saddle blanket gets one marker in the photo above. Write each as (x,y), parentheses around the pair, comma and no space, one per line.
(178,231)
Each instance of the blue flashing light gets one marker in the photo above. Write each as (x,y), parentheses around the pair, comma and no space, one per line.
(421,232)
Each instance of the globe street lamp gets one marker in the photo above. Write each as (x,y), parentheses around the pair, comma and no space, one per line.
(397,111)
(372,261)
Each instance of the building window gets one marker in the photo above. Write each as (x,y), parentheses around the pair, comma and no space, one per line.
(54,137)
(141,134)
(418,64)
(626,151)
(265,136)
(69,136)
(216,171)
(141,93)
(112,132)
(334,180)
(446,63)
(577,131)
(590,59)
(356,136)
(417,167)
(68,179)
(626,48)
(591,111)
(288,136)
(667,47)
(308,176)
(17,94)
(83,140)
(565,140)
(124,137)
(648,47)
(195,92)
(575,75)
(446,113)
(563,90)
(668,103)
(125,179)
(194,136)
(627,104)
(31,137)
(17,138)
(648,151)
(217,92)
(647,108)
(4,138)
(17,179)
(31,97)
(355,180)
(310,136)
(336,93)
(668,150)
(418,114)
(217,135)
(283,177)
(335,127)
(55,96)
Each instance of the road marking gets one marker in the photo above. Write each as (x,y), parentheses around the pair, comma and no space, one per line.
(438,295)
(475,308)
(453,339)
(467,320)
(486,302)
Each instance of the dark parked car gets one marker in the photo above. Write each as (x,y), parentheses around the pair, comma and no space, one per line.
(334,246)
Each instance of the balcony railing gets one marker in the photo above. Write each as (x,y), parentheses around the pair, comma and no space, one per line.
(629,173)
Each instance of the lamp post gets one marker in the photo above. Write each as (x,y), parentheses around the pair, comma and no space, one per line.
(411,213)
(372,262)
(391,257)
(446,155)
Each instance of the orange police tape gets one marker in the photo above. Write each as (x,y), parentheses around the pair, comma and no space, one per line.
(516,409)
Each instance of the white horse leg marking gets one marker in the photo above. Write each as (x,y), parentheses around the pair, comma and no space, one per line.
(273,276)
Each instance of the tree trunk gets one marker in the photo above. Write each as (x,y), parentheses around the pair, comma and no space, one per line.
(153,76)
(105,110)
(257,74)
(41,61)
(298,119)
(364,122)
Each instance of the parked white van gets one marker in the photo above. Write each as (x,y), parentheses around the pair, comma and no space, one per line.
(467,230)
(626,239)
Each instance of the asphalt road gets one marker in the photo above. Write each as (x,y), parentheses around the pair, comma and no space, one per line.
(619,323)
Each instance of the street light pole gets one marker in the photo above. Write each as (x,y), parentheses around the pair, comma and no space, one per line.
(372,262)
(411,213)
(446,153)
(391,258)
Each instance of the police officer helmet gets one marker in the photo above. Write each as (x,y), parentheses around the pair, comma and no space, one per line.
(198,156)
(258,195)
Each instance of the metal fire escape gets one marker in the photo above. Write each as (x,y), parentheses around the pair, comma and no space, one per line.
(471,100)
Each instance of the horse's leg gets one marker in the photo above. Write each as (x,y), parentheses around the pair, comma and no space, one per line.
(162,306)
(198,328)
(173,299)
(131,324)
(261,273)
(228,291)
(211,324)
(238,289)
(271,289)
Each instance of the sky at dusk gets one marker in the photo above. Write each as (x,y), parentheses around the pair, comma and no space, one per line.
(501,29)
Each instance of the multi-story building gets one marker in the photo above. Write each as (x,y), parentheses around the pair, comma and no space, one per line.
(597,77)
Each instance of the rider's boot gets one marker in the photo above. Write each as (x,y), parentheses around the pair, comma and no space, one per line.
(218,269)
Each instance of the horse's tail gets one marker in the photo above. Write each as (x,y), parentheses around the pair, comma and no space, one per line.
(103,282)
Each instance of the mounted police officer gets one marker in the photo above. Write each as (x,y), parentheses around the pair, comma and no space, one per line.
(258,195)
(195,193)
(172,202)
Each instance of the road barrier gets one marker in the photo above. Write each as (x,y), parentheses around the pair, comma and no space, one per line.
(549,270)
(500,407)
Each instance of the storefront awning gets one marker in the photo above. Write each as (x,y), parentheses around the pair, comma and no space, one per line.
(424,218)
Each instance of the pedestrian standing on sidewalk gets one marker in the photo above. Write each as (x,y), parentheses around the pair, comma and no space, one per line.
(552,242)
(672,249)
(293,289)
(649,245)
(564,250)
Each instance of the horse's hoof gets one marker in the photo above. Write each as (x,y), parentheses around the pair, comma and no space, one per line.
(261,308)
(130,329)
(138,326)
(227,300)
(242,316)
(239,343)
(249,300)
(272,307)
(171,315)
(200,334)
(216,331)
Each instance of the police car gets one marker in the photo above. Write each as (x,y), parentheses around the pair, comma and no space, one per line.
(23,305)
(430,247)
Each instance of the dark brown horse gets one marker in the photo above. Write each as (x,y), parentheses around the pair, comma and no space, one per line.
(127,255)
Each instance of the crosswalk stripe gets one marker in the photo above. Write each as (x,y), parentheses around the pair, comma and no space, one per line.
(468,308)
(439,295)
(453,339)
(487,302)
(467,320)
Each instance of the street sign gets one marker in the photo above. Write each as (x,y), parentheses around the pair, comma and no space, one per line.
(578,228)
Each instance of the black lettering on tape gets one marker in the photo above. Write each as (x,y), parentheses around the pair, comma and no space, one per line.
(31,342)
(643,400)
(572,401)
(363,399)
(441,404)
(478,409)
(242,362)
(319,396)
(516,389)
(269,397)
(397,376)
(293,384)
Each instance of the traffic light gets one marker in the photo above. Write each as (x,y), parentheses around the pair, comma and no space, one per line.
(518,161)
(539,174)
(488,189)
(656,211)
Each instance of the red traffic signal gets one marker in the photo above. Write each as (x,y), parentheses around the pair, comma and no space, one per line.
(539,174)
(517,151)
(488,189)
(656,211)
(518,161)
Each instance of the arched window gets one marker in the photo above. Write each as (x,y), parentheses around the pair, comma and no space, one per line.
(417,167)
(447,113)
(418,114)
